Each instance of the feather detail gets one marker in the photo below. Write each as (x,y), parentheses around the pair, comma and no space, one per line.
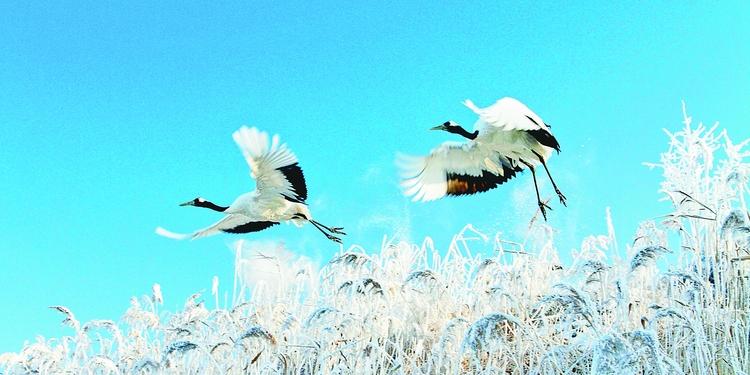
(175,236)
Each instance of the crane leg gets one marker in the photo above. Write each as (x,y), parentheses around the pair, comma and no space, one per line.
(336,230)
(542,206)
(330,237)
(559,193)
(321,228)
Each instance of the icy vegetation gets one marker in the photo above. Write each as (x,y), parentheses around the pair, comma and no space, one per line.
(676,302)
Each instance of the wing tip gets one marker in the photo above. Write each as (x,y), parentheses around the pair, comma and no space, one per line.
(165,233)
(470,105)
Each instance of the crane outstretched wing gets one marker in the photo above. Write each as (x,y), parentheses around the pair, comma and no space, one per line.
(453,169)
(508,114)
(273,167)
(230,224)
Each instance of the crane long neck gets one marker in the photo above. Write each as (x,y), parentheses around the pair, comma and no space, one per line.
(212,206)
(458,129)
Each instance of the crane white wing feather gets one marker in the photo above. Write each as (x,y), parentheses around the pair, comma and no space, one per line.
(176,236)
(507,114)
(265,162)
(228,222)
(426,177)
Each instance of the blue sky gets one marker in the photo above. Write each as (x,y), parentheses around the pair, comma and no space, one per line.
(113,115)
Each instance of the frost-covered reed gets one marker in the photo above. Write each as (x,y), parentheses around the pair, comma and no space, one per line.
(676,303)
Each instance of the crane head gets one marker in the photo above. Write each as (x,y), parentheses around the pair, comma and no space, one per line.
(195,202)
(445,126)
(200,202)
(452,127)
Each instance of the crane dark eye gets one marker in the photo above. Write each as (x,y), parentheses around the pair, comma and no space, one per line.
(447,123)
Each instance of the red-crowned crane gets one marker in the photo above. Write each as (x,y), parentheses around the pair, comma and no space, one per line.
(279,195)
(507,137)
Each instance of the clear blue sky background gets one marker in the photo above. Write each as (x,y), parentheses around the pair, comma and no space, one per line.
(110,116)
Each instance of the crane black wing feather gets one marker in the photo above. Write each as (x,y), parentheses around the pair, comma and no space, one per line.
(454,169)
(293,174)
(544,137)
(462,184)
(253,226)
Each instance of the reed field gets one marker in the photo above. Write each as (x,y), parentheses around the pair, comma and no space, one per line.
(673,298)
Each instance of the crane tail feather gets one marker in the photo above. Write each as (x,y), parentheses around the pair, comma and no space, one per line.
(175,236)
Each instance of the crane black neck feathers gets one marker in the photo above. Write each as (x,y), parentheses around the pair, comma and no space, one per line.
(210,205)
(458,129)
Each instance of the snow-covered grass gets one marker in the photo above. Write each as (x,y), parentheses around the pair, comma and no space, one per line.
(411,309)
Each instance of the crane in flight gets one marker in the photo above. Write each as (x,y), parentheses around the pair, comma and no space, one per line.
(279,195)
(507,137)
